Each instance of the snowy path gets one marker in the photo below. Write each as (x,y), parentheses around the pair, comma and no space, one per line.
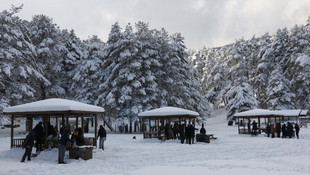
(229,154)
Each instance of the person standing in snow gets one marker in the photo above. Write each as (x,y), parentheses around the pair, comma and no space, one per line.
(202,130)
(187,134)
(39,134)
(284,131)
(272,130)
(278,129)
(62,146)
(176,130)
(297,130)
(102,134)
(192,134)
(28,144)
(268,129)
(290,129)
(254,128)
(182,133)
(73,138)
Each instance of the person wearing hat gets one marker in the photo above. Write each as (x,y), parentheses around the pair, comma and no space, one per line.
(102,134)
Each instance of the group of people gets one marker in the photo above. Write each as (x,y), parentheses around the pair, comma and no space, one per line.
(179,131)
(275,130)
(36,136)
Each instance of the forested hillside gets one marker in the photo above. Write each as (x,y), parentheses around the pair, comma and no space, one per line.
(270,71)
(136,69)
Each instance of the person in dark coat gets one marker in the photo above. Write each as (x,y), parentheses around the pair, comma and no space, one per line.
(62,146)
(80,140)
(102,135)
(182,133)
(176,130)
(297,130)
(28,144)
(202,130)
(254,128)
(187,135)
(167,131)
(284,131)
(39,134)
(272,130)
(268,130)
(278,129)
(192,134)
(290,130)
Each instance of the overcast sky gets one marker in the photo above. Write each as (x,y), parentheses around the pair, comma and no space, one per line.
(209,23)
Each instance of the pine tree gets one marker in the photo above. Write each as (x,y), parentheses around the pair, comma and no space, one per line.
(88,71)
(19,71)
(71,55)
(240,98)
(45,36)
(278,92)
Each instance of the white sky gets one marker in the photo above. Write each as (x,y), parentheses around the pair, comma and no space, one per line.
(207,23)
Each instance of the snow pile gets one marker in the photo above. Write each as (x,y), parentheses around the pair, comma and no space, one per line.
(230,154)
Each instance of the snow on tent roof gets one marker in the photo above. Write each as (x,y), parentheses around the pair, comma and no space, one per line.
(53,104)
(265,112)
(167,111)
(304,112)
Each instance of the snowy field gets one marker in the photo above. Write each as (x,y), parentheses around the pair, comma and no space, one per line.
(231,154)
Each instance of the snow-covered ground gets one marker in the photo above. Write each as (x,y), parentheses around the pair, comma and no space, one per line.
(230,154)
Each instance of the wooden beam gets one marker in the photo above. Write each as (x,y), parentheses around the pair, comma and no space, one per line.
(82,124)
(96,123)
(76,122)
(12,130)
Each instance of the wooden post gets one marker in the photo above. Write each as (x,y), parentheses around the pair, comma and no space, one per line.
(67,122)
(76,122)
(259,130)
(96,123)
(12,130)
(150,129)
(82,124)
(249,126)
(238,126)
(45,127)
(31,123)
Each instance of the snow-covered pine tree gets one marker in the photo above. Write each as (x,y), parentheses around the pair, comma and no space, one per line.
(302,80)
(19,71)
(279,95)
(71,51)
(45,36)
(240,98)
(185,89)
(88,71)
(108,92)
(264,66)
